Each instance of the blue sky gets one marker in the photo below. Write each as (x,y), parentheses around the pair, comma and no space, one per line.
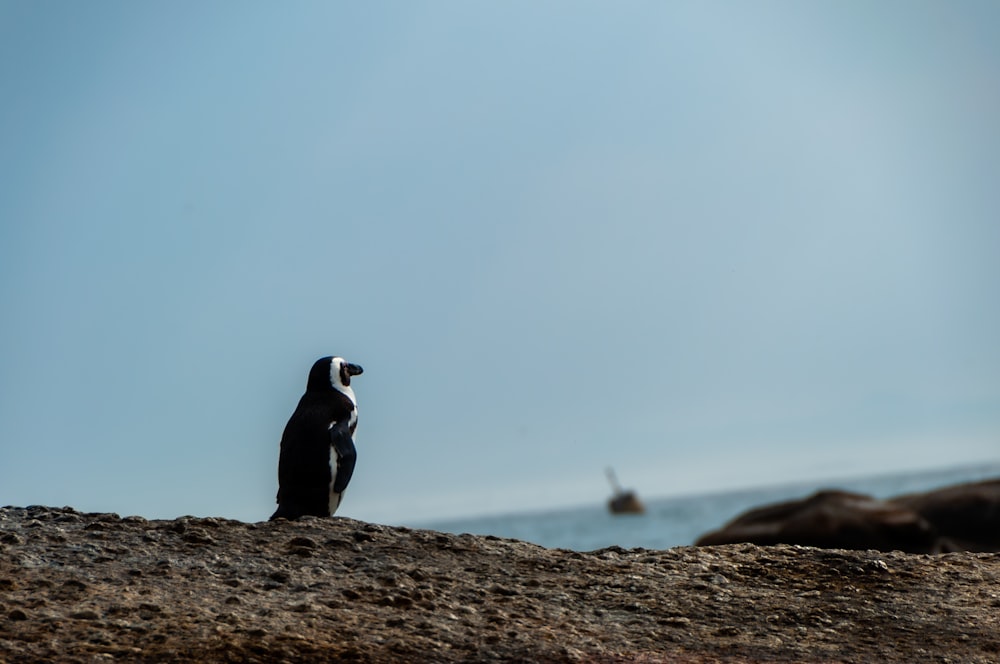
(713,244)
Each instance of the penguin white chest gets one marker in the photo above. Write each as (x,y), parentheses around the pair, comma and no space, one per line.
(334,496)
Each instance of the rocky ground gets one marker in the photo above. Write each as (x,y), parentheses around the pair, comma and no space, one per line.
(96,587)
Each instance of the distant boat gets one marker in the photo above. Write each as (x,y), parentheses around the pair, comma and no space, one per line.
(624,501)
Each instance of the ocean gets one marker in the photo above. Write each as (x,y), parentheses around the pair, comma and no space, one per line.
(680,520)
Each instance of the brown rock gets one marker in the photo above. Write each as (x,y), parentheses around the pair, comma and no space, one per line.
(86,614)
(967,516)
(831,520)
(423,596)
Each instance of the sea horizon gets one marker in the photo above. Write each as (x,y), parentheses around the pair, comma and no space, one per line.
(677,520)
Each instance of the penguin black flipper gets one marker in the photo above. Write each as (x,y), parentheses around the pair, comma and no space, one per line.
(347,455)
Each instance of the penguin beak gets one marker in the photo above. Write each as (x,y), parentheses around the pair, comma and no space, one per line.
(354,369)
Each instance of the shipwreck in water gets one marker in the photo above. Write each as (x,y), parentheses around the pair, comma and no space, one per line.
(622,501)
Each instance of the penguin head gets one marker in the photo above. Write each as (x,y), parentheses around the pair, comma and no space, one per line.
(332,373)
(341,372)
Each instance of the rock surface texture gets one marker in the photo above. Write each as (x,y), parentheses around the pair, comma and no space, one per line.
(95,587)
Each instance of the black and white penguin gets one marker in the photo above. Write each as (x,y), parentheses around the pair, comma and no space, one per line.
(317,448)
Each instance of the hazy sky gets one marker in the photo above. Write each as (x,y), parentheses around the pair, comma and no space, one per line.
(715,244)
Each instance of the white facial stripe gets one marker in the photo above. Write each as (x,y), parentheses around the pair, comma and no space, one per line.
(335,365)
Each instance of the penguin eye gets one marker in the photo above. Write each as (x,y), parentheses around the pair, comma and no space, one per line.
(345,375)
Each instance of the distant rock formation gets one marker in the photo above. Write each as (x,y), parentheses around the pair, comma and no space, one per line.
(964,517)
(831,520)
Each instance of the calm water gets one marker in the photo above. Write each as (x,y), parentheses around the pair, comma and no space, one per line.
(679,521)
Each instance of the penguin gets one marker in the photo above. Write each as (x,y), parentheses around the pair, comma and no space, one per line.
(317,447)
